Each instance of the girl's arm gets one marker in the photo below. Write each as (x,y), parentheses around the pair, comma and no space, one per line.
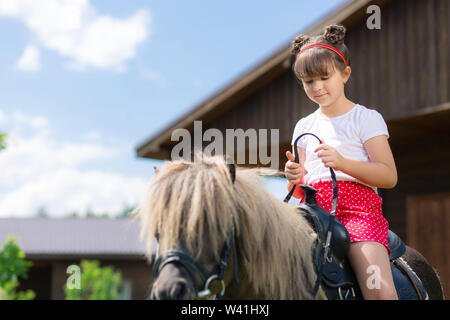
(379,172)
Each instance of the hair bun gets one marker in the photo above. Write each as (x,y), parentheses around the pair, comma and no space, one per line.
(298,43)
(334,34)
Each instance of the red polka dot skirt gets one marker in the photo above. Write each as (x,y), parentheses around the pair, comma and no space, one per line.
(359,210)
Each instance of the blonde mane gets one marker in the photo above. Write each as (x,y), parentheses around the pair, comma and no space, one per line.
(198,203)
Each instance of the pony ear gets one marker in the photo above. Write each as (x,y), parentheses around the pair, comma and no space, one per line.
(230,163)
(232,169)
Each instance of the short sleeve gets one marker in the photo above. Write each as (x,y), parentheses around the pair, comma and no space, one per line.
(297,131)
(373,125)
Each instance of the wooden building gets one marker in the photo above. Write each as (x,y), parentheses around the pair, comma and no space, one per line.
(52,245)
(402,70)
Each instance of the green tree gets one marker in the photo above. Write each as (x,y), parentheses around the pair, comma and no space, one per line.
(73,215)
(3,137)
(42,213)
(126,211)
(96,283)
(92,214)
(12,266)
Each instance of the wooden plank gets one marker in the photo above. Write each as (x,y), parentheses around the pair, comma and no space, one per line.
(355,81)
(363,78)
(269,104)
(401,74)
(292,100)
(353,85)
(446,241)
(434,236)
(284,121)
(372,67)
(410,57)
(287,110)
(348,89)
(256,103)
(394,210)
(412,223)
(427,224)
(378,59)
(417,46)
(391,78)
(244,116)
(262,113)
(422,44)
(291,105)
(431,93)
(295,98)
(443,39)
(278,105)
(448,51)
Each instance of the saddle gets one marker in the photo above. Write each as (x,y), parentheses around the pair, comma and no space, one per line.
(336,277)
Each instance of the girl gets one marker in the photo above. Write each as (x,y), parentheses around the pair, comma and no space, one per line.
(354,144)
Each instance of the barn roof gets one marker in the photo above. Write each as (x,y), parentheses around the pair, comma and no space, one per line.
(158,145)
(72,238)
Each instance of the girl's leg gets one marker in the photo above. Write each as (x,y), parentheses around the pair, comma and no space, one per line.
(370,262)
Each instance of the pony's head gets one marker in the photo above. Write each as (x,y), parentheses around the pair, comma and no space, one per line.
(203,215)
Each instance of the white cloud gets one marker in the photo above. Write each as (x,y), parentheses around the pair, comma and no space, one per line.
(92,136)
(33,122)
(3,118)
(29,61)
(75,30)
(64,190)
(154,76)
(39,171)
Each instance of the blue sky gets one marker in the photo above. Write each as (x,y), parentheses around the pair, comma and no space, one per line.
(82,83)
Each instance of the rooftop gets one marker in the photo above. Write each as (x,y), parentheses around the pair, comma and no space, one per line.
(42,238)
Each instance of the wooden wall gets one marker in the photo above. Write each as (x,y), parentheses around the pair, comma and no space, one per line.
(398,70)
(428,223)
(404,66)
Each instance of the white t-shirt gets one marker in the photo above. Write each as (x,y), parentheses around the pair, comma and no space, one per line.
(345,133)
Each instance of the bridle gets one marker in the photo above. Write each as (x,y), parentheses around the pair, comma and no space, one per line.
(188,262)
(193,268)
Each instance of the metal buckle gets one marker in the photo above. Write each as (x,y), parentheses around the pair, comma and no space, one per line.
(206,292)
(347,291)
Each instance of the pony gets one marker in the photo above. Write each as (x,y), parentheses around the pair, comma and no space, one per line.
(221,233)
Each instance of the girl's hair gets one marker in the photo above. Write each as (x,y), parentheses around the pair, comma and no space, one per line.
(314,62)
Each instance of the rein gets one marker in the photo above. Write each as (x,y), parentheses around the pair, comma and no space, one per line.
(326,245)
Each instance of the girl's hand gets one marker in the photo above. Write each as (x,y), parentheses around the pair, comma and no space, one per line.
(293,171)
(330,157)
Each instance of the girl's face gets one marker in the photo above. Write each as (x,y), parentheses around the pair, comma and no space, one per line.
(327,89)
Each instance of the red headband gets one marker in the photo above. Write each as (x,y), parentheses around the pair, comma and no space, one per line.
(325,46)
